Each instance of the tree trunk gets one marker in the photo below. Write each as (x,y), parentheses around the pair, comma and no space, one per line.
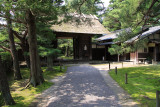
(67,51)
(25,49)
(17,74)
(49,63)
(4,87)
(36,72)
(118,57)
(27,59)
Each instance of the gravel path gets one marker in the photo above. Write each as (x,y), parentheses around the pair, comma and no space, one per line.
(83,86)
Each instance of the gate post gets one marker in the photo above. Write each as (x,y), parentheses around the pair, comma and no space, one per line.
(116,70)
(157,99)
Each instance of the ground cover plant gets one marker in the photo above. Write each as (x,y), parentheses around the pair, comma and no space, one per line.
(23,97)
(143,82)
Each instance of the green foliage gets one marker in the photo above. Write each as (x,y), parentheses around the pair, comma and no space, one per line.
(51,74)
(45,34)
(121,46)
(44,52)
(24,97)
(150,9)
(1,100)
(122,14)
(5,56)
(131,13)
(3,39)
(140,44)
(63,44)
(143,82)
(43,10)
(115,49)
(45,41)
(86,7)
(95,37)
(3,36)
(7,61)
(45,13)
(66,58)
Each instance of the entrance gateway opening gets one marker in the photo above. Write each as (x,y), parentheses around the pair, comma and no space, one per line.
(81,33)
(66,47)
(82,47)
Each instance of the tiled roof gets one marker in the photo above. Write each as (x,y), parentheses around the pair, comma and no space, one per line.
(144,34)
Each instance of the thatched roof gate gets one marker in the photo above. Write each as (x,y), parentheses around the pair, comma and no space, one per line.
(80,28)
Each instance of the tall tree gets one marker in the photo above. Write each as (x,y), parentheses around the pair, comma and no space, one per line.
(30,12)
(133,14)
(85,6)
(34,12)
(122,14)
(150,10)
(5,15)
(45,44)
(23,43)
(36,74)
(17,74)
(4,86)
(121,47)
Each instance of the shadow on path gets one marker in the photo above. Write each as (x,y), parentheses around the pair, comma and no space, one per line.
(83,86)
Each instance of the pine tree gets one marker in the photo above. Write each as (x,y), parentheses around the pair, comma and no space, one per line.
(5,14)
(4,86)
(33,12)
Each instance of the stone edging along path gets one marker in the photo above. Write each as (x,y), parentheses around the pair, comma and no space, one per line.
(124,99)
(45,96)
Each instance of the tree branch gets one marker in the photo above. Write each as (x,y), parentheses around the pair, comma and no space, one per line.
(4,41)
(25,34)
(3,25)
(145,16)
(5,48)
(80,5)
(15,20)
(17,35)
(18,21)
(20,44)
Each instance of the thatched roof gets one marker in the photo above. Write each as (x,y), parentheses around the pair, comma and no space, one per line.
(87,24)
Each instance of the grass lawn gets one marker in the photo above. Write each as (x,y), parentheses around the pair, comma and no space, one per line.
(23,97)
(142,83)
(65,57)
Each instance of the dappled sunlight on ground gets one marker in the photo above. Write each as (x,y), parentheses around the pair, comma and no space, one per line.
(143,82)
(124,98)
(82,86)
(117,64)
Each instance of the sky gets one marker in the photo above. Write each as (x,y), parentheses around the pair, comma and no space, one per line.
(106,3)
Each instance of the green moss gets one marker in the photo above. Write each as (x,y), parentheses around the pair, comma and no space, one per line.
(1,100)
(65,57)
(23,97)
(142,83)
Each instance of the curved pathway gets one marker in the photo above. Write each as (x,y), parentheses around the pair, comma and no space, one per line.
(83,86)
